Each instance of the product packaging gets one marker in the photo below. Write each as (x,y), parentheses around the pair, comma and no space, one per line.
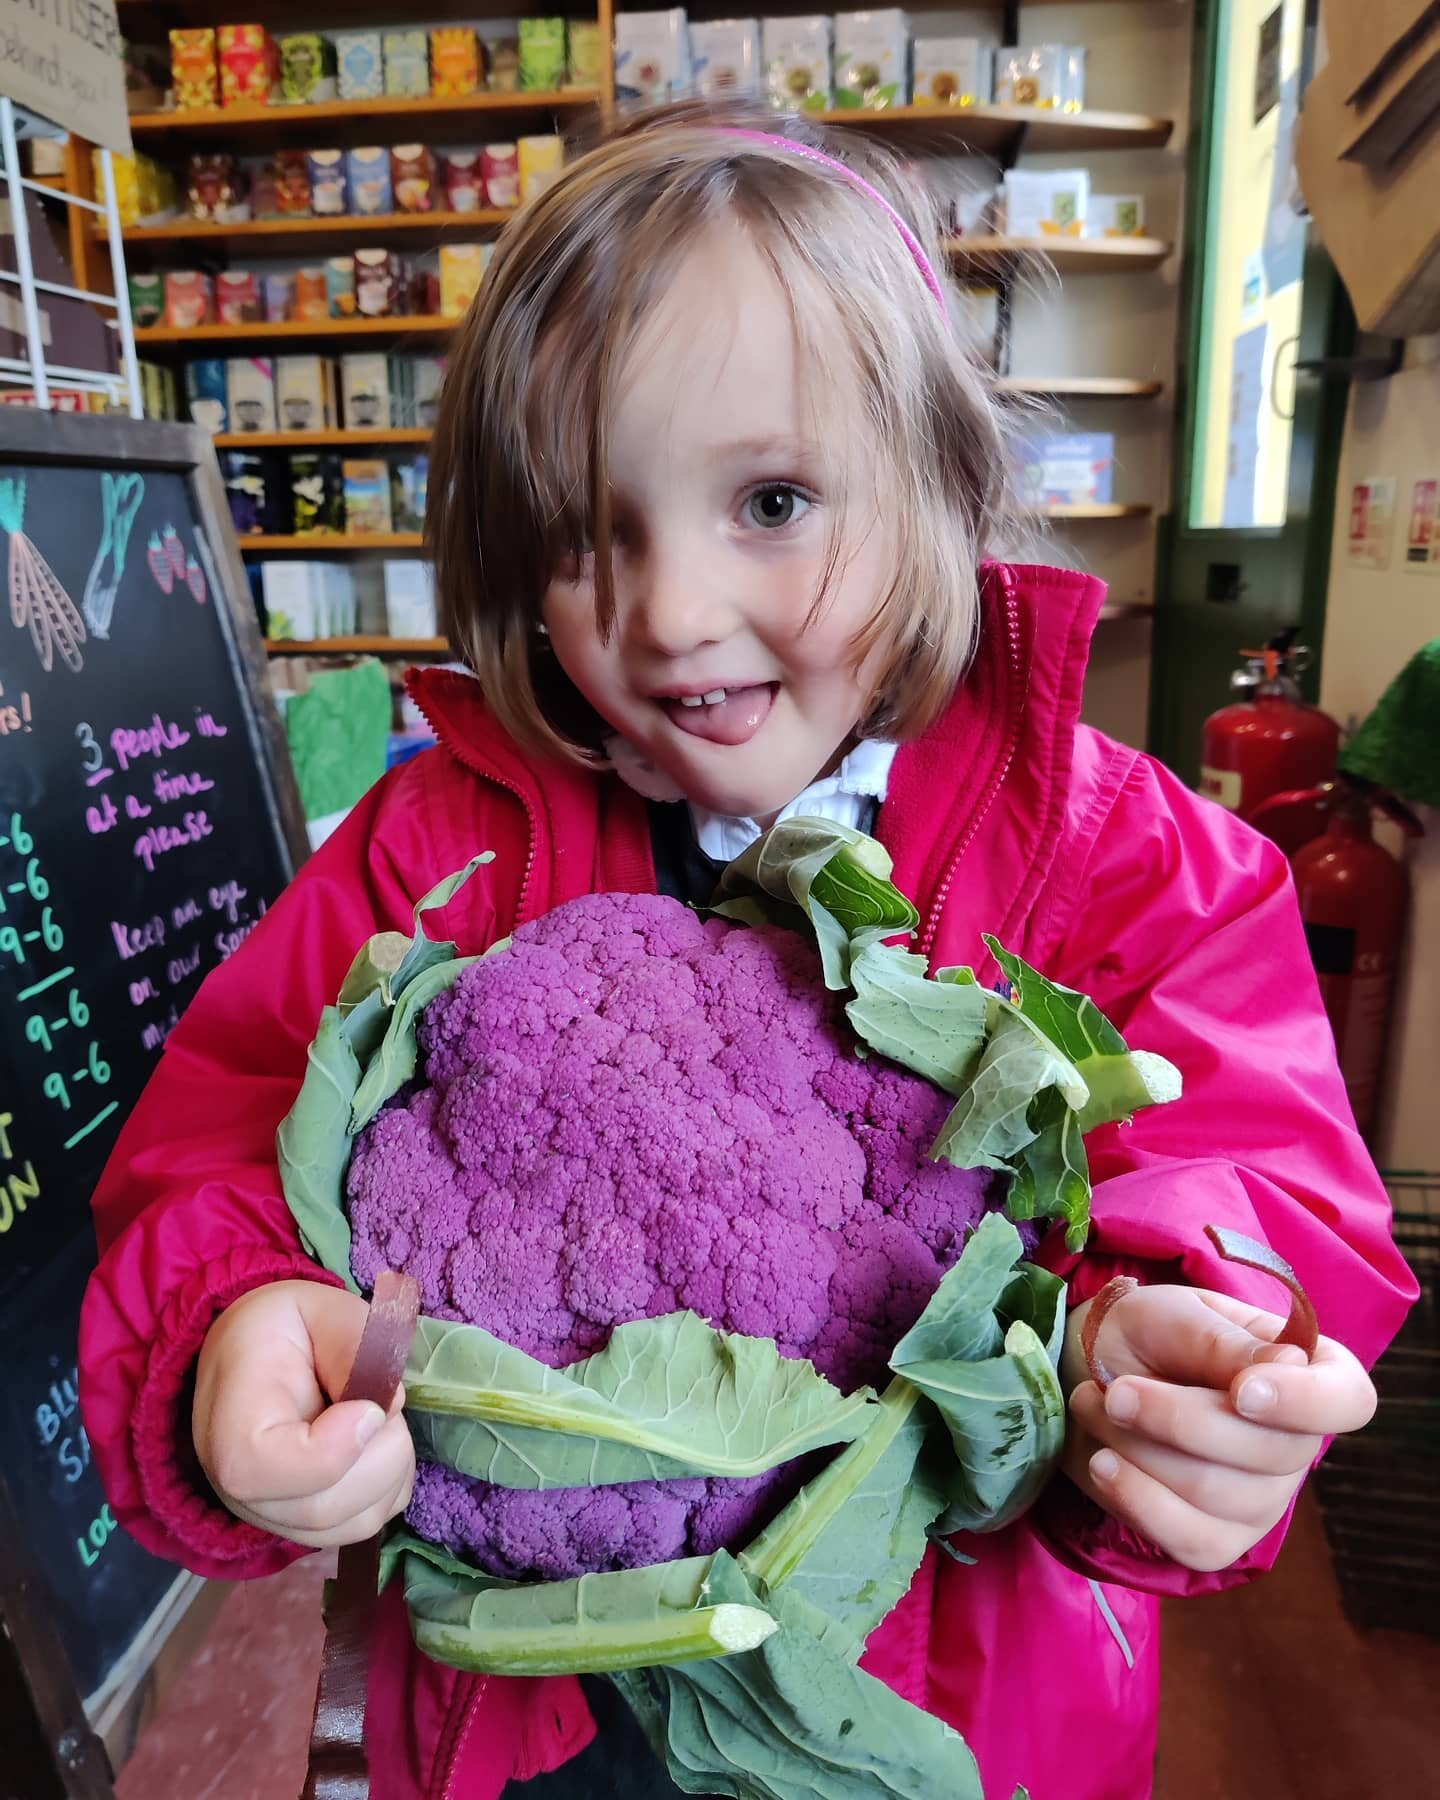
(409,596)
(328,196)
(292,183)
(542,55)
(1046,202)
(305,393)
(247,489)
(408,481)
(952,71)
(340,287)
(278,295)
(462,181)
(454,62)
(1077,469)
(249,65)
(307,68)
(237,297)
(540,161)
(1072,78)
(412,177)
(365,391)
(500,167)
(147,298)
(797,55)
(872,59)
(415,383)
(189,299)
(312,294)
(1115,215)
(585,56)
(462,267)
(502,57)
(316,493)
(250,393)
(214,189)
(726,57)
(206,393)
(360,65)
(1051,76)
(194,70)
(367,175)
(652,55)
(376,285)
(144,191)
(367,494)
(159,394)
(407,63)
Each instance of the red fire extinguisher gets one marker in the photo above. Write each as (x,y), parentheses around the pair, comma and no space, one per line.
(1352,895)
(1270,742)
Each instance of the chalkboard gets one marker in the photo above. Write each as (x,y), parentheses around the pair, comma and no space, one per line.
(148,817)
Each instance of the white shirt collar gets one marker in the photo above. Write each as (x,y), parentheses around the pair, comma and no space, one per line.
(863,776)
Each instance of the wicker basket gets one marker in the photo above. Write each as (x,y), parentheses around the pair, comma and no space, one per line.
(1380,1490)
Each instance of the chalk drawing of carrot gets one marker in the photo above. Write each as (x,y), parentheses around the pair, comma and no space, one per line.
(36,596)
(159,563)
(120,497)
(174,551)
(195,580)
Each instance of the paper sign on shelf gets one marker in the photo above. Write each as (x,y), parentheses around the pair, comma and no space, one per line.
(1372,517)
(62,59)
(1422,541)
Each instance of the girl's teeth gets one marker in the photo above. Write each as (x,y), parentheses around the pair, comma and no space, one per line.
(691,700)
(714,697)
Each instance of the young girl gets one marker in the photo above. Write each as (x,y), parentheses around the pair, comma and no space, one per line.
(712,487)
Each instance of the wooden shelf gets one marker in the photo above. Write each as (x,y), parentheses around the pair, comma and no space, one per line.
(327,543)
(390,119)
(1114,509)
(293,331)
(321,440)
(300,237)
(1006,131)
(1069,256)
(357,646)
(1078,387)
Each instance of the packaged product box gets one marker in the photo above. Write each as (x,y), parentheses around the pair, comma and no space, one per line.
(215,189)
(312,294)
(237,297)
(147,298)
(147,71)
(409,479)
(367,172)
(454,62)
(1115,215)
(360,65)
(541,160)
(725,55)
(464,181)
(317,494)
(952,71)
(462,267)
(278,295)
(872,59)
(1072,78)
(407,63)
(415,383)
(305,393)
(365,391)
(652,55)
(376,283)
(502,57)
(797,55)
(189,299)
(542,55)
(250,393)
(292,184)
(412,177)
(1076,469)
(367,494)
(159,394)
(1046,202)
(340,287)
(500,167)
(585,54)
(292,597)
(194,69)
(249,65)
(329,197)
(206,393)
(307,68)
(409,595)
(1031,77)
(247,489)
(143,189)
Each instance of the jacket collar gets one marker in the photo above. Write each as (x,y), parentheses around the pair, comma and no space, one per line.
(987,784)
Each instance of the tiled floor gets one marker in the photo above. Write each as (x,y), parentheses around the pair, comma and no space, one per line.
(1269,1695)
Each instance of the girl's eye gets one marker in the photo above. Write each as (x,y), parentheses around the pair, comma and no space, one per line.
(775,506)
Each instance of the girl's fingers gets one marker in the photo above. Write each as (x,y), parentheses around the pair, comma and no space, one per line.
(351,1530)
(1187,1336)
(1185,1534)
(1196,1421)
(282,1459)
(384,1467)
(1333,1394)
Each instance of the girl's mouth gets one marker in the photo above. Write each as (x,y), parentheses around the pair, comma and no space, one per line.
(725,715)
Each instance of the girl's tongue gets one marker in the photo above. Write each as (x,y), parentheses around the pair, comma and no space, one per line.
(733,720)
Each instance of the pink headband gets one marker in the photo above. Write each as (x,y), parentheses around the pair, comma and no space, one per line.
(912,243)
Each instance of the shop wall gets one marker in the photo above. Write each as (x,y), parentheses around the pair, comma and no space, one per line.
(1376,620)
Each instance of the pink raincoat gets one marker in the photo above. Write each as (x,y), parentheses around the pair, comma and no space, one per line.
(1087,858)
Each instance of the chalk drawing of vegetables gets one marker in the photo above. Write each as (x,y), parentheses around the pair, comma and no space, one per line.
(120,496)
(159,563)
(174,551)
(195,580)
(36,596)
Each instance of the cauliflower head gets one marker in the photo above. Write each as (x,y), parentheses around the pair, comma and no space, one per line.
(628,1111)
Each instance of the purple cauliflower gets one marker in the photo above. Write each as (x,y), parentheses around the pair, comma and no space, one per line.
(631,1111)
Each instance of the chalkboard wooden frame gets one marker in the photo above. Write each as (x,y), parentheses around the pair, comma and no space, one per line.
(30,436)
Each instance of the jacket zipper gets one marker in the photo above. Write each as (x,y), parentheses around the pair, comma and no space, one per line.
(1002,765)
(460,1718)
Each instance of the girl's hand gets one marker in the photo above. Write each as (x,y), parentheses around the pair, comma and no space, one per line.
(1193,1445)
(275,1449)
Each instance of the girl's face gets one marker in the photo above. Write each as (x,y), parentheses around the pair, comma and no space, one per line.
(722,524)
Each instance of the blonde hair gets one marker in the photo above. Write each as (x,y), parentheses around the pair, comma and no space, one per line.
(518,481)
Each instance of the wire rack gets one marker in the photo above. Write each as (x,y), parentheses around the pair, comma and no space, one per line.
(1379,1491)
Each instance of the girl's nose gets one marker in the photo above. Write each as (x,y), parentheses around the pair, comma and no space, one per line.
(670,593)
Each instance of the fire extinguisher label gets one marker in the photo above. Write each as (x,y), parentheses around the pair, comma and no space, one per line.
(1332,948)
(1222,785)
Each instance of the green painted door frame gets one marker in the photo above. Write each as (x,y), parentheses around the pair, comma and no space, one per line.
(1220,589)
